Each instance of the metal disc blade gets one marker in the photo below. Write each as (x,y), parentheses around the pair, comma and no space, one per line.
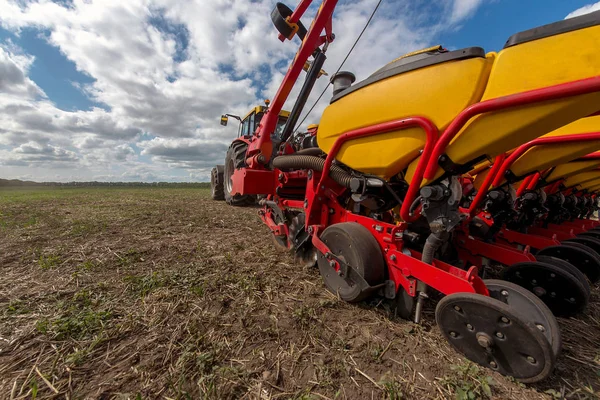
(494,334)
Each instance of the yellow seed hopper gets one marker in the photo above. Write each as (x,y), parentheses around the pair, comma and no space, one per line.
(543,157)
(439,85)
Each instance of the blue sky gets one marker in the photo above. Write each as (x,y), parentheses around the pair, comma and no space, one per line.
(132,90)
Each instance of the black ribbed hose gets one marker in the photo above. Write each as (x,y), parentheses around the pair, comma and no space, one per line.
(311,151)
(315,163)
(433,242)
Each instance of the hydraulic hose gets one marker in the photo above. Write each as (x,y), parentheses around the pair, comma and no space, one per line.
(311,151)
(336,173)
(415,204)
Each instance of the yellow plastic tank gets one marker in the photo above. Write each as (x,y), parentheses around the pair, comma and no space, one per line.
(438,87)
(571,168)
(550,55)
(582,178)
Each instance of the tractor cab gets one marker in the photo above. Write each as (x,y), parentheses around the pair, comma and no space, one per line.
(250,122)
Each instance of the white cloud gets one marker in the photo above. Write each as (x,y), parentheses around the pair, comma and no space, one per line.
(13,74)
(584,10)
(166,69)
(462,9)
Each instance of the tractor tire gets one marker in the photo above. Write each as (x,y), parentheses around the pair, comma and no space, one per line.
(217,186)
(235,159)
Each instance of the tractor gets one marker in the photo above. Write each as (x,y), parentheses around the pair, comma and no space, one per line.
(380,194)
(218,175)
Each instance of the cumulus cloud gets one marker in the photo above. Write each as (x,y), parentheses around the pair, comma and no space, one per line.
(13,75)
(584,10)
(40,154)
(164,70)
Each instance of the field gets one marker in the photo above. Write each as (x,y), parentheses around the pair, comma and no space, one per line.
(166,294)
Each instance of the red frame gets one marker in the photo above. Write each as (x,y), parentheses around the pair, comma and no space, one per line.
(321,194)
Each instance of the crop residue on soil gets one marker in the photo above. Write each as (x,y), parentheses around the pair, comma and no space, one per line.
(164,293)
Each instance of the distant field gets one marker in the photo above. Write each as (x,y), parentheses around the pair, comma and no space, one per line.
(163,293)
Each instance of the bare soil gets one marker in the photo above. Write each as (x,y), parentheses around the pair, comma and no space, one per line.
(166,294)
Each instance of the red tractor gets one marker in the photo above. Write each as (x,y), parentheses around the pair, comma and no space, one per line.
(220,182)
(373,194)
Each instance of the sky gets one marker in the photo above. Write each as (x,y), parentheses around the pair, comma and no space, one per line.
(132,90)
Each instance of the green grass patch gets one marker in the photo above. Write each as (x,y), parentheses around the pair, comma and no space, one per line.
(17,307)
(142,285)
(49,261)
(77,318)
(469,382)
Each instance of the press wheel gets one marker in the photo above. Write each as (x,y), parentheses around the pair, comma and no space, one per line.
(354,245)
(562,292)
(589,241)
(591,233)
(567,266)
(495,335)
(580,257)
(530,306)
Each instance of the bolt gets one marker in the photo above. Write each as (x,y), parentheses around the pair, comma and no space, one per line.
(331,211)
(457,308)
(310,173)
(339,272)
(310,230)
(553,294)
(484,340)
(531,359)
(493,364)
(533,282)
(332,264)
(505,320)
(572,299)
(500,335)
(552,275)
(379,228)
(504,293)
(453,334)
(280,177)
(305,203)
(540,327)
(470,327)
(393,257)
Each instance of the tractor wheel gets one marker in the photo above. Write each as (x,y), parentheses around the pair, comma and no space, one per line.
(235,159)
(353,244)
(217,188)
